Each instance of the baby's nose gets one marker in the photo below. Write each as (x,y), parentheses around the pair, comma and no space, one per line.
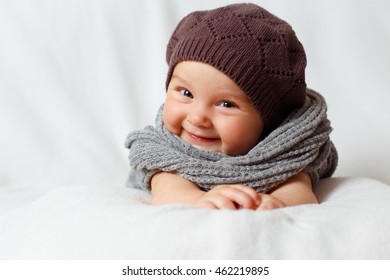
(199,116)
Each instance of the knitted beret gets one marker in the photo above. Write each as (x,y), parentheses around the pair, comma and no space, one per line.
(256,49)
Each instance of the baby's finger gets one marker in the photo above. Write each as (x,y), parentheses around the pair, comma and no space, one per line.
(207,204)
(250,192)
(268,202)
(217,201)
(240,198)
(223,202)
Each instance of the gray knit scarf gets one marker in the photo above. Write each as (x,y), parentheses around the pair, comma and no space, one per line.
(300,143)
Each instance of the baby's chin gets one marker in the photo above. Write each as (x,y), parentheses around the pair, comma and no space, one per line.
(205,148)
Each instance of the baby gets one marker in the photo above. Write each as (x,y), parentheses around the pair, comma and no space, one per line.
(238,129)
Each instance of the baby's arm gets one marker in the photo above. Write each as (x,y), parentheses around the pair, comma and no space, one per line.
(170,188)
(295,191)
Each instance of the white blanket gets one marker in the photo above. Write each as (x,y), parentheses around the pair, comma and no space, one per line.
(95,222)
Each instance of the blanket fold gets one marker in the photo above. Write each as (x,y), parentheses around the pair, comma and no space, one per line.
(300,144)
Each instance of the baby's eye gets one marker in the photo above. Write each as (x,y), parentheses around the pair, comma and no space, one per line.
(186,93)
(227,104)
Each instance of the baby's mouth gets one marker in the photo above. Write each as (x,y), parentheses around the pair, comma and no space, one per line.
(195,139)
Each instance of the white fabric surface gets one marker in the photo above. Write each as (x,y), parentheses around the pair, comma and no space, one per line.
(92,222)
(76,76)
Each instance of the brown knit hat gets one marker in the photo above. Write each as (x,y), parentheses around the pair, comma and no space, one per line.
(256,49)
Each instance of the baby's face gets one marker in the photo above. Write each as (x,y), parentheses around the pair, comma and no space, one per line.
(209,111)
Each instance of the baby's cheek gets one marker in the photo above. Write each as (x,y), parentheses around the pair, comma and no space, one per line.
(238,140)
(171,120)
(232,141)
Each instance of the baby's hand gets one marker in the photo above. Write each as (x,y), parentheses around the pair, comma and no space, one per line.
(230,197)
(270,202)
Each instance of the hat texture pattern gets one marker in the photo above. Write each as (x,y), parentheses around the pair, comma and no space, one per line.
(257,50)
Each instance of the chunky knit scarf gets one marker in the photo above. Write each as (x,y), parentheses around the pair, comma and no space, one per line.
(300,143)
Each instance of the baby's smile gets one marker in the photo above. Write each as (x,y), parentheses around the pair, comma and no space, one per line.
(201,142)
